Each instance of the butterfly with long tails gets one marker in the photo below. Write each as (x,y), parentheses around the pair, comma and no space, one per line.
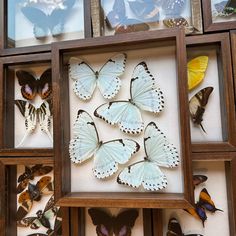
(159,153)
(116,19)
(174,229)
(107,79)
(107,155)
(29,174)
(31,85)
(197,105)
(108,225)
(196,71)
(145,95)
(33,193)
(44,23)
(205,203)
(32,115)
(42,217)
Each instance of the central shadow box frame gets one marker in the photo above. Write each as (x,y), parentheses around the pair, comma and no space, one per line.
(221,44)
(61,104)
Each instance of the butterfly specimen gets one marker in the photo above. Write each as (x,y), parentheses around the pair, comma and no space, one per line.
(107,78)
(33,193)
(107,155)
(108,225)
(197,105)
(30,173)
(174,229)
(32,115)
(159,152)
(44,23)
(41,218)
(196,71)
(116,19)
(205,203)
(173,8)
(199,179)
(31,85)
(145,95)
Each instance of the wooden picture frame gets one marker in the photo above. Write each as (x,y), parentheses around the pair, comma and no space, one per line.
(209,25)
(7,86)
(230,169)
(7,47)
(63,192)
(98,26)
(233,54)
(222,41)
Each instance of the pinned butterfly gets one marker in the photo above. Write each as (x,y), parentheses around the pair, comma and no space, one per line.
(144,95)
(32,115)
(107,224)
(106,79)
(107,155)
(147,172)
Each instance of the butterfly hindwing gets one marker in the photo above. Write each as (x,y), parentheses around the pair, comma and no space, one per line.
(174,228)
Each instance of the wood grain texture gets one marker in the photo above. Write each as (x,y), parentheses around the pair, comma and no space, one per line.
(3,199)
(157,222)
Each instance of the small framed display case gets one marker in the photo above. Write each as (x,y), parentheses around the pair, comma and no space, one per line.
(26,107)
(75,188)
(218,168)
(219,15)
(92,221)
(218,118)
(28,26)
(115,17)
(13,189)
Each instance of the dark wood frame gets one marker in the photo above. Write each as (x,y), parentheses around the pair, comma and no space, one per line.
(7,106)
(98,18)
(224,55)
(233,54)
(61,119)
(209,26)
(6,51)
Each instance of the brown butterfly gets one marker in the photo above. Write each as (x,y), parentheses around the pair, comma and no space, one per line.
(31,86)
(199,179)
(174,229)
(197,105)
(29,174)
(34,193)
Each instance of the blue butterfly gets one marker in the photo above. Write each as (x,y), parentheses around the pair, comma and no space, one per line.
(107,155)
(159,152)
(107,78)
(145,95)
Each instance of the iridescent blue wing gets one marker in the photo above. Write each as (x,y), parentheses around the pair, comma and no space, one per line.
(85,140)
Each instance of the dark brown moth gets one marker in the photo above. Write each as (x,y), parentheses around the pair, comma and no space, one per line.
(197,105)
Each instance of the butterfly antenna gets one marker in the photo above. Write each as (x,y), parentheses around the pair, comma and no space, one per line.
(23,139)
(203,128)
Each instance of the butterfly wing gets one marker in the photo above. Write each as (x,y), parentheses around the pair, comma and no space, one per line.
(84,76)
(143,173)
(26,204)
(38,18)
(26,222)
(122,113)
(45,185)
(196,71)
(199,179)
(174,228)
(28,84)
(158,149)
(40,169)
(108,77)
(22,185)
(111,153)
(45,84)
(124,222)
(85,140)
(144,90)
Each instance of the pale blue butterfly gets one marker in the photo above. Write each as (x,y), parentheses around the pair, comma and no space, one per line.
(145,95)
(159,152)
(107,78)
(107,155)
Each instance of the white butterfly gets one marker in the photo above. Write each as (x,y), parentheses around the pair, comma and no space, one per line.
(145,95)
(159,152)
(107,78)
(86,144)
(32,115)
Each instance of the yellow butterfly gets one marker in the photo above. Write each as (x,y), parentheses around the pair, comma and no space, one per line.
(196,71)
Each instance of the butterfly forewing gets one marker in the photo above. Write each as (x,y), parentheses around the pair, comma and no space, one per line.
(111,153)
(174,228)
(85,141)
(44,84)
